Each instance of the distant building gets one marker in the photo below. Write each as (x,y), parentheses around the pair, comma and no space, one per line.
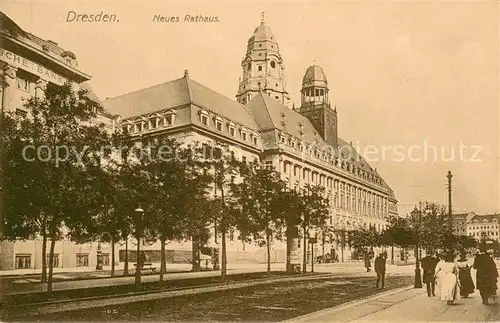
(460,223)
(484,226)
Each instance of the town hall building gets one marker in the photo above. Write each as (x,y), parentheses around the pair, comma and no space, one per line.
(301,142)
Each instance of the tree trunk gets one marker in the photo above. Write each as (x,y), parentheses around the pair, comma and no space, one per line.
(392,254)
(268,245)
(163,259)
(224,256)
(195,254)
(51,259)
(289,242)
(323,241)
(44,255)
(304,258)
(112,256)
(125,265)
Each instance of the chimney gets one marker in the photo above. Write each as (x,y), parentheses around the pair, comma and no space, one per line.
(186,73)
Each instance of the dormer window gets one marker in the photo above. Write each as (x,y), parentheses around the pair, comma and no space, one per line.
(232,128)
(218,123)
(283,139)
(255,140)
(153,123)
(244,136)
(204,120)
(169,118)
(138,127)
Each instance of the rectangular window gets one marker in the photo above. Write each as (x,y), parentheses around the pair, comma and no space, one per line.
(55,260)
(168,120)
(244,159)
(231,131)
(82,259)
(260,68)
(244,136)
(125,129)
(105,259)
(23,261)
(255,141)
(138,127)
(217,153)
(218,125)
(23,84)
(204,120)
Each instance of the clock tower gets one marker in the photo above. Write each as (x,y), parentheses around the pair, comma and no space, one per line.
(262,68)
(315,104)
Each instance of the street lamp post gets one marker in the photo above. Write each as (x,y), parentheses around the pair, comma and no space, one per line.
(416,214)
(140,217)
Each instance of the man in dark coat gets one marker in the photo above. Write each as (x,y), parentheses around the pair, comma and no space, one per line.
(367,260)
(380,269)
(486,274)
(428,264)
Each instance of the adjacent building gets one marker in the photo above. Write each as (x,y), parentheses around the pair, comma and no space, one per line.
(27,64)
(484,226)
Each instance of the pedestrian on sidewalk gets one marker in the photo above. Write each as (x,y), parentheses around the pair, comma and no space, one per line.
(429,264)
(486,274)
(367,260)
(448,272)
(380,269)
(466,283)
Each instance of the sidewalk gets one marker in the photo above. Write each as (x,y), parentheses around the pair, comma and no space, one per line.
(407,305)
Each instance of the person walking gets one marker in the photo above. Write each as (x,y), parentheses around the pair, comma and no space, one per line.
(486,274)
(380,269)
(448,271)
(367,260)
(428,264)
(464,276)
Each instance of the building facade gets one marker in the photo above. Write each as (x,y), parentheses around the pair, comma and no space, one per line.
(301,143)
(484,226)
(28,64)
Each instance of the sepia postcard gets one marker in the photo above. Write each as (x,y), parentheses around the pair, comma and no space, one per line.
(285,161)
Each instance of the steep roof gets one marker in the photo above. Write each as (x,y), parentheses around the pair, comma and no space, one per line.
(271,114)
(487,217)
(179,92)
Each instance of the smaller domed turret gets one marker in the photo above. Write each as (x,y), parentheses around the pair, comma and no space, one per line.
(315,104)
(314,77)
(314,86)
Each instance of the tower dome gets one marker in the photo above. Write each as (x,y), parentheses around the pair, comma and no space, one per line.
(314,76)
(263,33)
(262,68)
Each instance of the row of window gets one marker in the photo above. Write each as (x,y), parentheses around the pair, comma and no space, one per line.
(484,227)
(230,127)
(151,123)
(329,158)
(23,261)
(346,196)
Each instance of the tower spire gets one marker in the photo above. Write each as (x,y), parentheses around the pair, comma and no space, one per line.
(262,15)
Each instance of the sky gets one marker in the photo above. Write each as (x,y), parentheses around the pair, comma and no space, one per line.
(418,78)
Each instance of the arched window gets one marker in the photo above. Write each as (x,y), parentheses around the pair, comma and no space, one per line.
(273,64)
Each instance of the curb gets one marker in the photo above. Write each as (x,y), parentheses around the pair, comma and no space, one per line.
(349,304)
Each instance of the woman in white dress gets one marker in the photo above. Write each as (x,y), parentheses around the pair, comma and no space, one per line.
(447,271)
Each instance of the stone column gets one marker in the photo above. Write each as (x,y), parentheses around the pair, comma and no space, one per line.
(40,88)
(8,88)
